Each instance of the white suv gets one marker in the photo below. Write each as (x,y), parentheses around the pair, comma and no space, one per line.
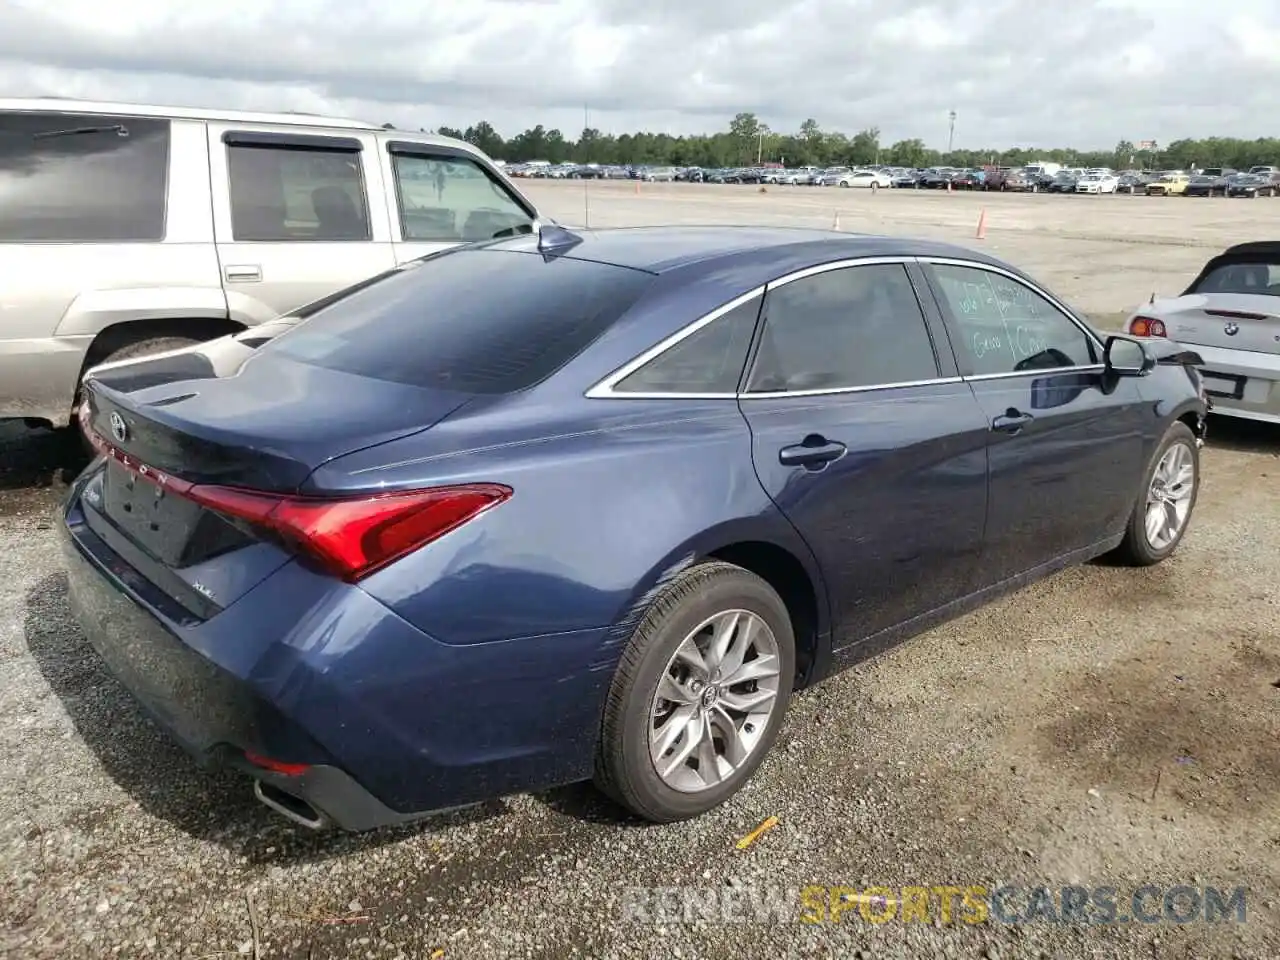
(127,229)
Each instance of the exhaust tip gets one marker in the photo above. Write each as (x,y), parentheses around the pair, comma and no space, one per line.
(289,806)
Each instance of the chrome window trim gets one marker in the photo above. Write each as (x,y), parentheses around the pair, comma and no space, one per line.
(604,388)
(1041,372)
(832,391)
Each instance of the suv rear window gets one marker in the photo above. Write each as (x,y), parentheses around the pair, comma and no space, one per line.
(82,178)
(476,321)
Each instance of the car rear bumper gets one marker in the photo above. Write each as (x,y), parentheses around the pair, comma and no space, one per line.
(213,715)
(1242,383)
(386,724)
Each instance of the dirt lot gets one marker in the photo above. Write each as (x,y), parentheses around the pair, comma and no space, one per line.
(1106,727)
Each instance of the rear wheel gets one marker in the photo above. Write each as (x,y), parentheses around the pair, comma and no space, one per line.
(1168,498)
(699,694)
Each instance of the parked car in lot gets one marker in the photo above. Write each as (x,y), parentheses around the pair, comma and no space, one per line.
(127,229)
(1253,185)
(660,174)
(939,178)
(1064,181)
(1131,183)
(995,178)
(373,561)
(1097,183)
(907,179)
(1230,315)
(1017,181)
(866,179)
(968,180)
(1207,185)
(1168,185)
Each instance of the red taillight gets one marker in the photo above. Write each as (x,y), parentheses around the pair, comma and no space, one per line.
(277,766)
(356,536)
(351,536)
(1147,327)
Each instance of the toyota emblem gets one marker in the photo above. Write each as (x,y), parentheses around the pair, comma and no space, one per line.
(1231,329)
(119,429)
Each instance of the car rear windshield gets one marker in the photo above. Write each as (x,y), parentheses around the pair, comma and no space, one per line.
(1260,276)
(477,321)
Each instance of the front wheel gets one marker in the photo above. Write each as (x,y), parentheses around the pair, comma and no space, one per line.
(699,694)
(1168,497)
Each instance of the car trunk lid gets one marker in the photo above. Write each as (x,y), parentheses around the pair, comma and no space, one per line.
(1233,321)
(266,428)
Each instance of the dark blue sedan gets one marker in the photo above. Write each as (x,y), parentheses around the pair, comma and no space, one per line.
(592,505)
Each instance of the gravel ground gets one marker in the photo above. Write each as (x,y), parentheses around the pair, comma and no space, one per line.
(1107,727)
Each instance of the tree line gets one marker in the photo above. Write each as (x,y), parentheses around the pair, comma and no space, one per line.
(749,141)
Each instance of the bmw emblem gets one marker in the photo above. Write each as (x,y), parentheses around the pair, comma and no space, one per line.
(119,429)
(1231,329)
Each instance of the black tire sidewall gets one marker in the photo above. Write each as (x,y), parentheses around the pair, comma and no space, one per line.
(1141,548)
(729,589)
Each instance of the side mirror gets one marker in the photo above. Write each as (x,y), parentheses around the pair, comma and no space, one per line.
(1127,357)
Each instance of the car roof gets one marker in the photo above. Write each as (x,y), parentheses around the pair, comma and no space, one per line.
(662,250)
(115,108)
(1252,252)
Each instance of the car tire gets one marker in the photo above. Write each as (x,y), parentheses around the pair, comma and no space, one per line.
(1139,547)
(626,769)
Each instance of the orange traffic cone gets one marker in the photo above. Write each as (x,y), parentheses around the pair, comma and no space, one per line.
(982,225)
(637,184)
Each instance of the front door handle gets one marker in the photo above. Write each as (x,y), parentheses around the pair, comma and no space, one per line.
(813,452)
(1011,421)
(243,273)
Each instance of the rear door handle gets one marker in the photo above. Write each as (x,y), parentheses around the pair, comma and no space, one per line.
(813,452)
(243,273)
(1011,421)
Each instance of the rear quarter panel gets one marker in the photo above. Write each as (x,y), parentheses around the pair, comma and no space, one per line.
(610,497)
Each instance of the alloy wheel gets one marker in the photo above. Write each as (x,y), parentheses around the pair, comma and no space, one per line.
(1169,496)
(714,701)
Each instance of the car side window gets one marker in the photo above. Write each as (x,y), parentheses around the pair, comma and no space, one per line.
(285,194)
(1006,327)
(709,360)
(82,178)
(453,199)
(857,326)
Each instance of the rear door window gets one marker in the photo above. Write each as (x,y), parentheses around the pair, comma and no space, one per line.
(82,178)
(858,326)
(472,320)
(451,198)
(288,194)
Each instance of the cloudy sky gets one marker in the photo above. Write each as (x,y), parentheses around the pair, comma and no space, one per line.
(1083,73)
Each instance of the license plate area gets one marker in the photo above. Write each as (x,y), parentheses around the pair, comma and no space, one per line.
(1224,385)
(164,525)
